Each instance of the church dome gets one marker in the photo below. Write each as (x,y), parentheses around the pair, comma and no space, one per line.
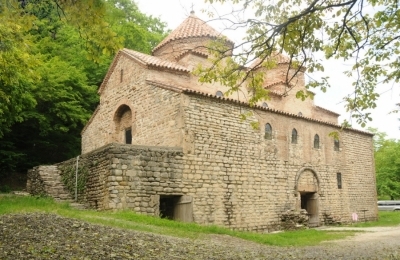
(191,35)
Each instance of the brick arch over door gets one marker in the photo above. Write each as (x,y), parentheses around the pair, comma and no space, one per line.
(123,122)
(307,177)
(307,188)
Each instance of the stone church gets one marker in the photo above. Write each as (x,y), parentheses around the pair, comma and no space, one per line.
(161,143)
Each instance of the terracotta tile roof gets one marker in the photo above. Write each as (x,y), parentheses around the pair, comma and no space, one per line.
(200,52)
(145,60)
(153,61)
(190,91)
(191,27)
(165,85)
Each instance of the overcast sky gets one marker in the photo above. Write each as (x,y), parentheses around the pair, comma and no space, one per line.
(173,12)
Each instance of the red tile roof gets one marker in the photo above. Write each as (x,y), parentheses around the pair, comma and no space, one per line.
(152,61)
(145,60)
(191,27)
(200,52)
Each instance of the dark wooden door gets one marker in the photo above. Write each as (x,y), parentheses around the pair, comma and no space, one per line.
(184,209)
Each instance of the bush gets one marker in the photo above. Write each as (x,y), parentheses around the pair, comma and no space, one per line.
(5,189)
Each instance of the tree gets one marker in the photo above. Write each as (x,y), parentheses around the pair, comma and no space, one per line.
(387,165)
(51,67)
(18,58)
(366,31)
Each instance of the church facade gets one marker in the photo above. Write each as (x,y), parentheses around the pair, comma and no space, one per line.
(174,147)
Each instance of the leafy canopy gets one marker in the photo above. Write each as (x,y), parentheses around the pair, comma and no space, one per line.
(387,165)
(364,31)
(53,56)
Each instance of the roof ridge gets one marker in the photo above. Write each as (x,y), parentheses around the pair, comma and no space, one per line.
(153,61)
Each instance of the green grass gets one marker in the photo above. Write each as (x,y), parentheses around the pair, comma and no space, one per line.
(129,220)
(386,219)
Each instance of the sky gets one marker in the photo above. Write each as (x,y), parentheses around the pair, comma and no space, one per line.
(173,12)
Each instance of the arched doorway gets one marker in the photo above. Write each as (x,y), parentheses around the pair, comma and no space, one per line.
(123,125)
(307,187)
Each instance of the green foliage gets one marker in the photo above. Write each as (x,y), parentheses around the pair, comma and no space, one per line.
(386,219)
(387,165)
(16,67)
(68,178)
(53,57)
(5,189)
(137,30)
(366,32)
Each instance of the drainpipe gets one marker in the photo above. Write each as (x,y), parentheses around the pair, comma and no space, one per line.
(76,178)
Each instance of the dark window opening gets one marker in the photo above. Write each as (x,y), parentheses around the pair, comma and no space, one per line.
(122,75)
(219,94)
(167,206)
(316,141)
(339,180)
(294,136)
(268,132)
(336,146)
(128,136)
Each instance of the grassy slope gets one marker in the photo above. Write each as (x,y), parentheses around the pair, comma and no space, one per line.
(10,204)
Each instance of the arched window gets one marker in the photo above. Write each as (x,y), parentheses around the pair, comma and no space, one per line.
(268,132)
(264,104)
(294,136)
(316,141)
(300,114)
(219,94)
(123,125)
(336,145)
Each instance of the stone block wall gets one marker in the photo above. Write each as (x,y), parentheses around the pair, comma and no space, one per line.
(118,177)
(154,111)
(46,180)
(139,175)
(95,166)
(246,182)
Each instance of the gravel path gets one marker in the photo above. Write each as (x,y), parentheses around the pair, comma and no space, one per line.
(48,236)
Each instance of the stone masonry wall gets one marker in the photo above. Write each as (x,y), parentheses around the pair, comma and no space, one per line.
(95,166)
(140,174)
(356,175)
(155,111)
(46,180)
(246,182)
(118,177)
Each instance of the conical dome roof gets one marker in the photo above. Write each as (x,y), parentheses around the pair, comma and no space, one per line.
(191,27)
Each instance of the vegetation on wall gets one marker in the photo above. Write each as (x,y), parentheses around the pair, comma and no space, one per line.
(53,57)
(70,180)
